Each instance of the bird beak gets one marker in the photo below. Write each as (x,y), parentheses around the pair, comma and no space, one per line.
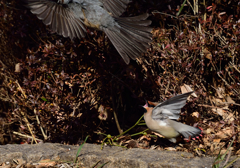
(146,105)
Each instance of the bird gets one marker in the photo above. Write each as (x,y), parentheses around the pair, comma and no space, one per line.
(70,18)
(161,118)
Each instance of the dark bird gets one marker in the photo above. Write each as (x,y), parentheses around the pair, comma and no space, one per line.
(69,18)
(161,118)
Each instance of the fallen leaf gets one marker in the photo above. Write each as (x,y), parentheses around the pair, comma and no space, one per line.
(220,91)
(209,130)
(216,101)
(186,88)
(216,140)
(195,114)
(207,54)
(230,100)
(47,162)
(170,149)
(219,111)
(18,67)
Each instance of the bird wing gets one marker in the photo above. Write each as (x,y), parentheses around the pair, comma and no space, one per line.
(58,16)
(133,38)
(115,7)
(171,107)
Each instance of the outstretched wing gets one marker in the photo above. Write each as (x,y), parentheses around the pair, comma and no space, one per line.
(58,16)
(115,7)
(171,107)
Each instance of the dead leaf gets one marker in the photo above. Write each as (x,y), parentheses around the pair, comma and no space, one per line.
(207,54)
(226,115)
(47,162)
(216,140)
(170,149)
(219,111)
(132,144)
(238,152)
(195,114)
(229,99)
(104,112)
(158,134)
(229,117)
(18,67)
(220,91)
(224,133)
(209,130)
(186,88)
(217,101)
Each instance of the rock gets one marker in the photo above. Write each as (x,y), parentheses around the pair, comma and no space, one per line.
(111,156)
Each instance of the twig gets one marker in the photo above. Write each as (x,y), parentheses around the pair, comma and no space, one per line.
(27,136)
(234,66)
(21,89)
(38,121)
(227,84)
(164,14)
(28,125)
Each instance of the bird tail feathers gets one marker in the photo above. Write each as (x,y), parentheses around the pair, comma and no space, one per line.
(186,130)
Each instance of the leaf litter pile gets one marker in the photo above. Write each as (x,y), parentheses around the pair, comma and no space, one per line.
(57,90)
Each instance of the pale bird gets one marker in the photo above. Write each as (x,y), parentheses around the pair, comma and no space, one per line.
(161,118)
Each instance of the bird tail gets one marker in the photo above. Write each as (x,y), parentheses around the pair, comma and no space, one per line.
(186,130)
(133,36)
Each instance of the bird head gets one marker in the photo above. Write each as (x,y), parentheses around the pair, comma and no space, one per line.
(152,104)
(147,107)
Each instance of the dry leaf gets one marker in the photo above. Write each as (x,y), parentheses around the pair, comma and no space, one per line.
(209,130)
(216,140)
(220,111)
(207,54)
(132,144)
(220,91)
(238,152)
(229,99)
(195,114)
(158,134)
(104,113)
(47,163)
(170,149)
(217,101)
(223,134)
(186,88)
(153,147)
(229,117)
(18,67)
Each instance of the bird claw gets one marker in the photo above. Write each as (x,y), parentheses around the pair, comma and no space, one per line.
(197,137)
(201,131)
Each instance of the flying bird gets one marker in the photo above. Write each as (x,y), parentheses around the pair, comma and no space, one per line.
(129,35)
(161,118)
